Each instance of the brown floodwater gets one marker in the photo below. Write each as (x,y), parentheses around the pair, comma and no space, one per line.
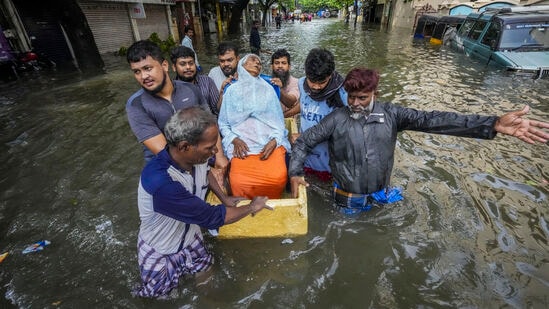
(471,232)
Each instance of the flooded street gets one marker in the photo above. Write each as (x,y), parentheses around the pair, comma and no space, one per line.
(471,232)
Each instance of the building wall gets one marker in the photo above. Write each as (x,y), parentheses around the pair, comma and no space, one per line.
(114,27)
(406,13)
(156,22)
(403,15)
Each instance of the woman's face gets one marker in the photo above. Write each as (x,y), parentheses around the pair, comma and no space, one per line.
(253,66)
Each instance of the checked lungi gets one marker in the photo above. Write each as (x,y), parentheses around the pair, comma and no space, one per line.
(160,273)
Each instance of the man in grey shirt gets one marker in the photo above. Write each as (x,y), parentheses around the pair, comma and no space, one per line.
(149,109)
(184,66)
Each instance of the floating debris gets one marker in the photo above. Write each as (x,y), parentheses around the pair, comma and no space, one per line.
(38,246)
(287,241)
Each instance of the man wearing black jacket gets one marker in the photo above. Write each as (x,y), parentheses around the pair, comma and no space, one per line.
(362,138)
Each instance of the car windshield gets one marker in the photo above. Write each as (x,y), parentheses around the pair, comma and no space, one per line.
(533,35)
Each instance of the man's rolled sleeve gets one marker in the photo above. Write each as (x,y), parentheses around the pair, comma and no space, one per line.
(174,201)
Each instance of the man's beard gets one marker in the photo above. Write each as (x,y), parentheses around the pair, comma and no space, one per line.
(283,75)
(159,88)
(362,112)
(231,72)
(187,79)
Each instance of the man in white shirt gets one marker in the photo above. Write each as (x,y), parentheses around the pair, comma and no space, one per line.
(225,72)
(188,42)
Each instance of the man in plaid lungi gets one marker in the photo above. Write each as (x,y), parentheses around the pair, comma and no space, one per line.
(171,204)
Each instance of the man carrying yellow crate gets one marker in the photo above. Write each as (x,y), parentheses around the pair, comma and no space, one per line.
(171,203)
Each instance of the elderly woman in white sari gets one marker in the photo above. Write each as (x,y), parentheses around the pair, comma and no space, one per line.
(254,135)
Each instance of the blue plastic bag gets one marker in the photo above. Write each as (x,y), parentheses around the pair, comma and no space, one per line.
(37,246)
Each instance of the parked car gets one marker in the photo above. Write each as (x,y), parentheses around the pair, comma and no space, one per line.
(516,38)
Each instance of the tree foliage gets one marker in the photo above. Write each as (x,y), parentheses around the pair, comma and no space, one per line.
(315,5)
(265,8)
(286,6)
(236,14)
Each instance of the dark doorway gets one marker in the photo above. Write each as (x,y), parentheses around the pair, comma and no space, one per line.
(58,31)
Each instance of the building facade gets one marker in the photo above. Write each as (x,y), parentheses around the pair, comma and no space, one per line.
(79,32)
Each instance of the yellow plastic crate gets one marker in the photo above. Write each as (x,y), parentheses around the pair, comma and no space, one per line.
(287,219)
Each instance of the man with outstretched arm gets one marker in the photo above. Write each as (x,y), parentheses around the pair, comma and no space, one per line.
(362,138)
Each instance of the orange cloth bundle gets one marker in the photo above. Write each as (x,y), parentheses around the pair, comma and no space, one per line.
(252,177)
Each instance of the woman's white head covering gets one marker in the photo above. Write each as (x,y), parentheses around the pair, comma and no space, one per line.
(251,110)
(240,68)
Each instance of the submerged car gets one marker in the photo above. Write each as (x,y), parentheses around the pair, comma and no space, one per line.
(425,26)
(516,38)
(444,26)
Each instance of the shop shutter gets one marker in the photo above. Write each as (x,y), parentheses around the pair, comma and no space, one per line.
(109,23)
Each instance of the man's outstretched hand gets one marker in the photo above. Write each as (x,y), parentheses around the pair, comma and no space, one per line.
(527,130)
